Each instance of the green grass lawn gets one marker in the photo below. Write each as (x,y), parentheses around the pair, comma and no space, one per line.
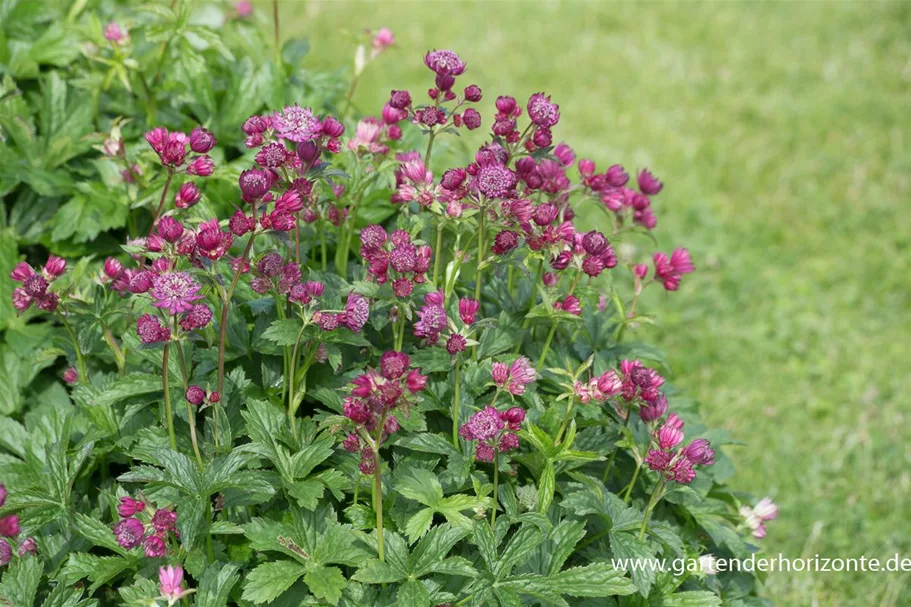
(781,132)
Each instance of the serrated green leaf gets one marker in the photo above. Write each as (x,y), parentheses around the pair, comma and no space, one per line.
(595,580)
(326,583)
(20,581)
(216,585)
(690,598)
(627,546)
(412,594)
(269,580)
(375,571)
(283,332)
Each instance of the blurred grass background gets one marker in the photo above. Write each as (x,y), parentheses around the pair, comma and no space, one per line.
(781,131)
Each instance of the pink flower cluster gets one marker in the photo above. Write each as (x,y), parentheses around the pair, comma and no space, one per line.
(678,465)
(670,271)
(137,527)
(375,395)
(756,517)
(197,396)
(35,285)
(170,583)
(298,125)
(598,389)
(9,528)
(395,257)
(623,201)
(494,431)
(174,147)
(639,381)
(414,182)
(355,315)
(513,378)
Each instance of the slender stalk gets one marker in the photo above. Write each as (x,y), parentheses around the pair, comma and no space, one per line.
(191,413)
(531,302)
(378,488)
(223,329)
(297,239)
(357,487)
(496,482)
(350,96)
(652,502)
(119,359)
(479,274)
(275,31)
(429,148)
(610,460)
(438,252)
(322,244)
(629,488)
(456,405)
(209,548)
(346,233)
(550,338)
(566,417)
(167,396)
(292,400)
(80,360)
(164,195)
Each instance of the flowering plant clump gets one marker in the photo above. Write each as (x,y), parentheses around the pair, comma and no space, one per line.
(319,371)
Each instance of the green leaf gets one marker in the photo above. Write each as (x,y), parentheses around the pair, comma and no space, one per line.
(96,532)
(691,598)
(627,546)
(294,50)
(216,585)
(307,493)
(20,582)
(597,579)
(435,545)
(418,524)
(326,583)
(412,594)
(283,332)
(546,486)
(518,550)
(269,580)
(375,571)
(420,485)
(99,570)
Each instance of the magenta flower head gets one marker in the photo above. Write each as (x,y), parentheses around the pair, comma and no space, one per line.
(472,93)
(565,154)
(3,494)
(6,552)
(444,63)
(297,124)
(71,376)
(187,196)
(468,309)
(495,180)
(9,525)
(202,166)
(129,507)
(700,452)
(150,330)
(331,127)
(357,311)
(393,365)
(383,39)
(432,318)
(669,437)
(170,229)
(494,431)
(170,579)
(254,184)
(455,344)
(504,242)
(648,183)
(196,395)
(198,317)
(175,291)
(28,546)
(415,382)
(654,410)
(54,267)
(154,546)
(541,111)
(670,271)
(129,532)
(201,140)
(616,176)
(114,33)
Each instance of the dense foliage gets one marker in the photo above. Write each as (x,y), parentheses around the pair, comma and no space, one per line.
(303,367)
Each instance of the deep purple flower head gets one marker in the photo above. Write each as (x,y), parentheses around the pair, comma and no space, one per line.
(453,179)
(617,176)
(273,155)
(170,229)
(403,258)
(150,330)
(296,124)
(483,425)
(506,105)
(648,183)
(468,308)
(175,291)
(542,112)
(393,365)
(352,444)
(403,287)
(444,63)
(141,282)
(594,242)
(700,452)
(254,184)
(495,180)
(415,382)
(472,93)
(164,520)
(154,546)
(400,99)
(28,546)
(472,119)
(455,344)
(504,242)
(129,507)
(201,140)
(658,460)
(196,395)
(129,532)
(654,410)
(187,196)
(357,311)
(683,471)
(373,237)
(565,154)
(9,525)
(198,317)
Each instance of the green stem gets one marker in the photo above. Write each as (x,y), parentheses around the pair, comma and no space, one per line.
(652,502)
(478,281)
(429,149)
(322,244)
(357,487)
(629,488)
(119,359)
(191,413)
(167,396)
(566,418)
(223,328)
(378,488)
(209,548)
(550,338)
(610,461)
(275,31)
(438,252)
(80,360)
(292,400)
(456,406)
(496,481)
(164,195)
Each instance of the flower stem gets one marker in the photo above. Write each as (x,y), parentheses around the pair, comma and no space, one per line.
(357,487)
(566,418)
(550,338)
(652,502)
(223,328)
(322,244)
(479,273)
(496,482)
(456,406)
(191,413)
(378,488)
(438,252)
(119,359)
(167,396)
(610,461)
(164,194)
(292,398)
(80,360)
(629,488)
(275,30)
(429,149)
